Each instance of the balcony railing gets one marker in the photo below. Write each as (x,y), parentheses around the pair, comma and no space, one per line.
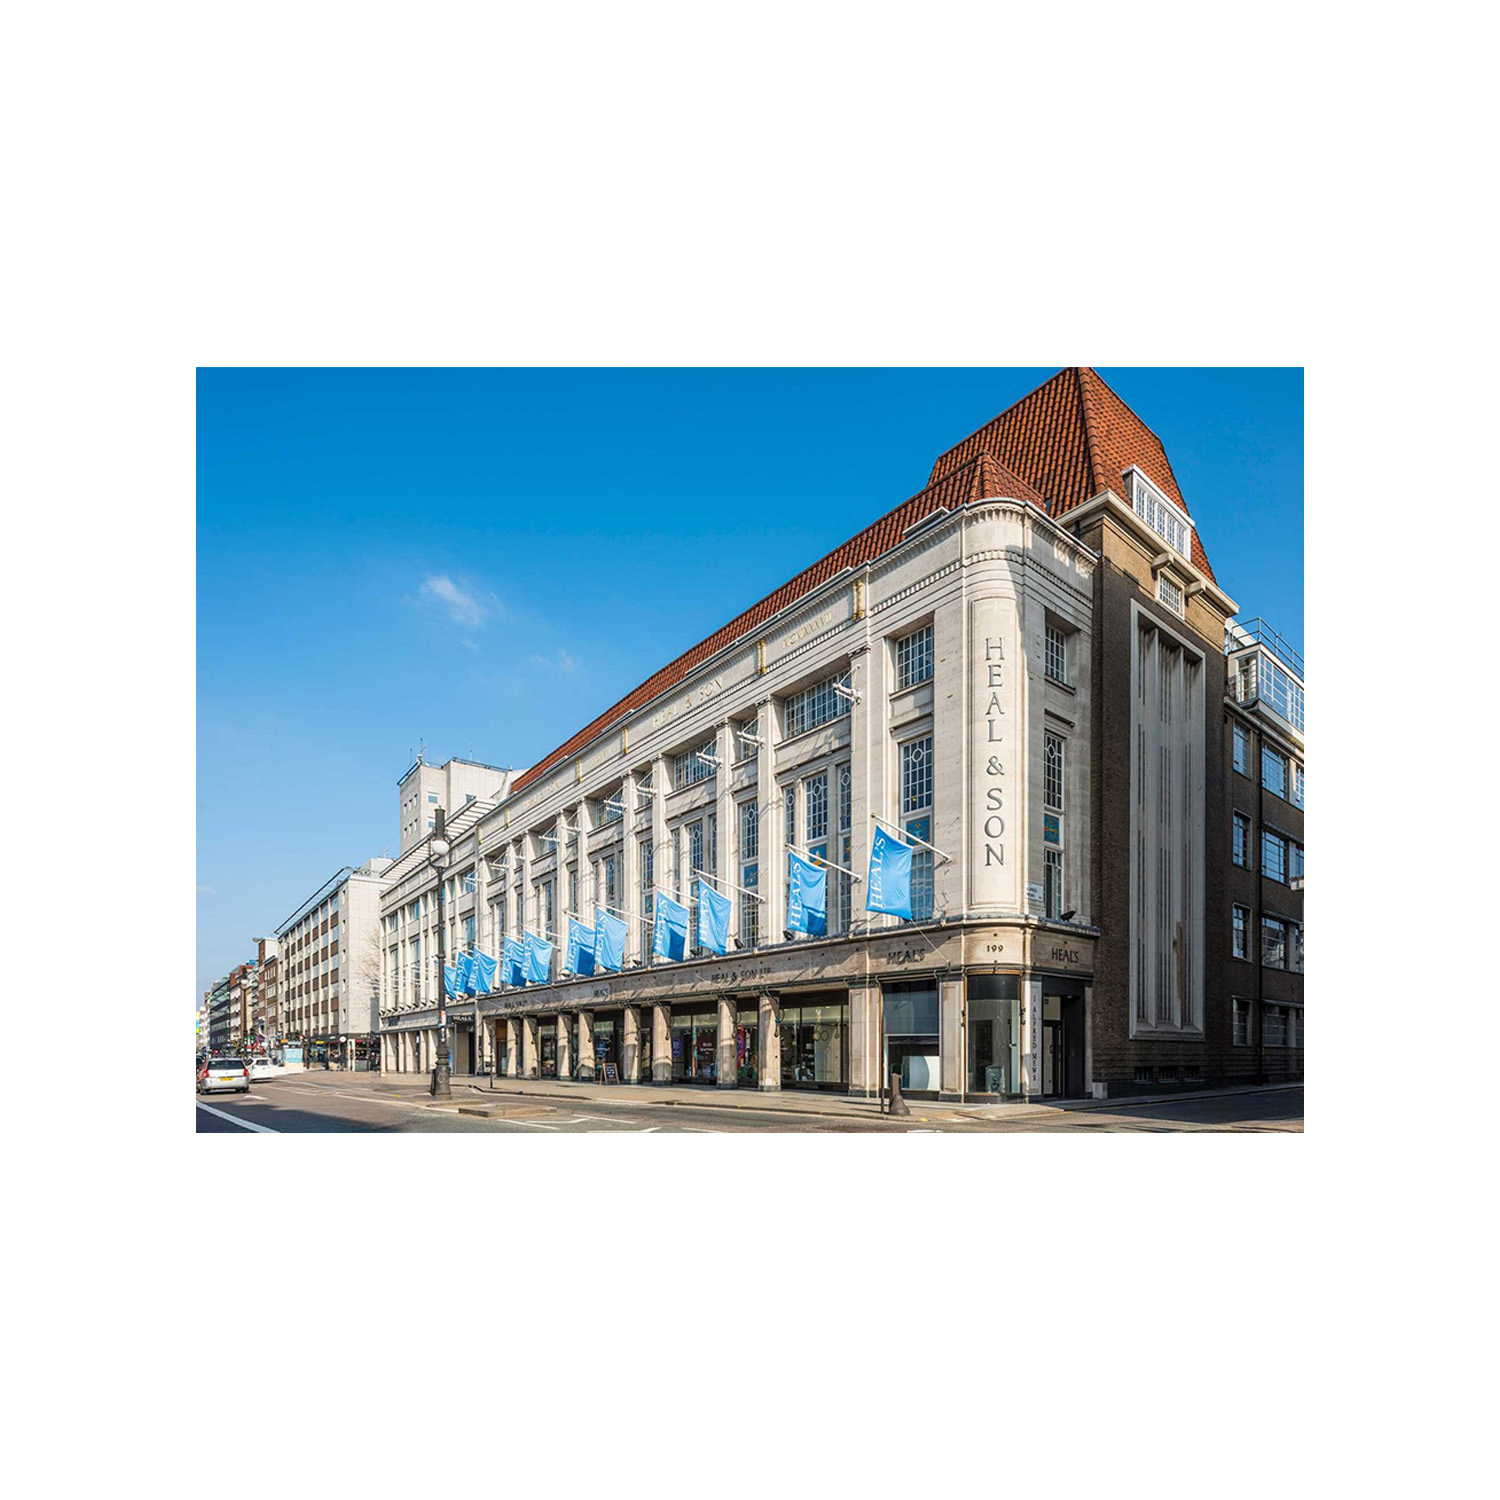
(1264,669)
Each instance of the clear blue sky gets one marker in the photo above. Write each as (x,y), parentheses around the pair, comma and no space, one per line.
(481,561)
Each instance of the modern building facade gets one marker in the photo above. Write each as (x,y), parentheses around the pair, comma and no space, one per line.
(328,969)
(217,1001)
(1022,671)
(243,1004)
(453,786)
(1265,764)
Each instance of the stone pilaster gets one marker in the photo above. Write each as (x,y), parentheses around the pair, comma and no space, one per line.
(661,1044)
(951,1036)
(726,1070)
(866,1039)
(769,1027)
(585,1065)
(564,1048)
(630,1045)
(771,833)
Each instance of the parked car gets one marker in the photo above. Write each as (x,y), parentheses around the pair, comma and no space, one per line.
(224,1075)
(264,1067)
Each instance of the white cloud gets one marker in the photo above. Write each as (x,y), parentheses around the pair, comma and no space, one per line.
(559,660)
(463,606)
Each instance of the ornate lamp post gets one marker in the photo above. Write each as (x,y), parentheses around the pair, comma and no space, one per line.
(438,850)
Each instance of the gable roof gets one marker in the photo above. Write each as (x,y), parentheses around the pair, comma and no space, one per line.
(1073,437)
(982,477)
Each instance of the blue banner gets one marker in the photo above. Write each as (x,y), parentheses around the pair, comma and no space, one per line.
(670,940)
(609,941)
(807,897)
(713,919)
(580,958)
(538,959)
(451,981)
(514,971)
(465,966)
(889,887)
(483,978)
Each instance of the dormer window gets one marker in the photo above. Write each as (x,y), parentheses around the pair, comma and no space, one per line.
(1164,518)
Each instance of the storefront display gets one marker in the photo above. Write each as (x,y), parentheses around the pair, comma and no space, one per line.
(995,1034)
(606,1043)
(695,1043)
(911,1036)
(747,1048)
(815,1044)
(547,1047)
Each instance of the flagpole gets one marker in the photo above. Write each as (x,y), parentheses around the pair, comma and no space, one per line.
(714,881)
(827,864)
(903,834)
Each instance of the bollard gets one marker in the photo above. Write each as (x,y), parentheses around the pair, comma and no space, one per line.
(898,1105)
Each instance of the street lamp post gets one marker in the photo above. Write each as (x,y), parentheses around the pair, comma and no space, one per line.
(438,850)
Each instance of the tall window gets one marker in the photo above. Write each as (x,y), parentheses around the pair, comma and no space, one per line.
(1296,784)
(548,914)
(1273,942)
(1273,771)
(648,882)
(1294,860)
(695,848)
(572,890)
(711,823)
(1273,855)
(1241,750)
(789,804)
(916,818)
(816,705)
(1273,1026)
(914,658)
(1241,1023)
(1242,932)
(815,791)
(749,872)
(1056,654)
(611,891)
(1242,841)
(1052,826)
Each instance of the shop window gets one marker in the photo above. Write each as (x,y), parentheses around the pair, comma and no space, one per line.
(995,1034)
(814,1045)
(911,1035)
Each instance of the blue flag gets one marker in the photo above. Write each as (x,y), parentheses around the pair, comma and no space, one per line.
(890,875)
(538,959)
(671,928)
(807,897)
(451,981)
(515,962)
(580,959)
(713,919)
(484,973)
(465,966)
(609,941)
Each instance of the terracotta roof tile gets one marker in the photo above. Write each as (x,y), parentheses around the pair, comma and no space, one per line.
(1073,437)
(983,477)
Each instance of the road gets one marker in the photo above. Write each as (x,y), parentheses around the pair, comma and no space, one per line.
(343,1102)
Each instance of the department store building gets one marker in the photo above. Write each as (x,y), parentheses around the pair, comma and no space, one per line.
(1021,671)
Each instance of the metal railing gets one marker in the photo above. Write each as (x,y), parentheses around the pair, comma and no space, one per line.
(1239,635)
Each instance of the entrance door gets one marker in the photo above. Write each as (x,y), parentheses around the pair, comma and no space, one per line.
(1052,1058)
(548,1050)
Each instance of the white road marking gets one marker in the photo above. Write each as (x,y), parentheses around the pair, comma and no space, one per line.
(235,1120)
(532,1124)
(648,1130)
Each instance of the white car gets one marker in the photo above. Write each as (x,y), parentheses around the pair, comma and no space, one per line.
(224,1075)
(264,1067)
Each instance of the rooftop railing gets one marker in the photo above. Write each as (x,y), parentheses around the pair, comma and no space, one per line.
(1239,634)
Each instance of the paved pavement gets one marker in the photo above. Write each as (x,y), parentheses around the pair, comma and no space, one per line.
(320,1101)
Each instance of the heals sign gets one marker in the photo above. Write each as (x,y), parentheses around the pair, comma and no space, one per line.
(994,764)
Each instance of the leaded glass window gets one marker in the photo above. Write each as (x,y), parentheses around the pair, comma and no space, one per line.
(690,767)
(1054,771)
(815,790)
(916,775)
(816,705)
(1057,655)
(749,829)
(914,658)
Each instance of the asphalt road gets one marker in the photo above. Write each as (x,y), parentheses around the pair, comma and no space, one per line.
(342,1102)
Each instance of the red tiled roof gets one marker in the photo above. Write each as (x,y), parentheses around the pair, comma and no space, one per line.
(1072,437)
(982,477)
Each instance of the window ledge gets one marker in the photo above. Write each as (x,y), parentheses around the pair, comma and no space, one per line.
(1066,687)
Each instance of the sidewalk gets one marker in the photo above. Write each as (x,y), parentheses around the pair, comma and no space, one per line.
(468,1089)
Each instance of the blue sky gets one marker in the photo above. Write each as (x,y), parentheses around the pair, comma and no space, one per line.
(481,561)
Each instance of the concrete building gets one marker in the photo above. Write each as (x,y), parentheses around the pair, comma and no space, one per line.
(1265,762)
(328,968)
(452,786)
(1022,671)
(267,959)
(243,1004)
(218,1016)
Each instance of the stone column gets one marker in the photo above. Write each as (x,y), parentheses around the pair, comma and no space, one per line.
(630,871)
(772,824)
(866,1035)
(769,1026)
(513,1030)
(661,1044)
(661,780)
(951,1037)
(726,1069)
(724,749)
(870,777)
(586,1046)
(564,1048)
(630,1045)
(532,1066)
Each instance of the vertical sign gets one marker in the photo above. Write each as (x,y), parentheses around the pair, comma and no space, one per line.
(995,675)
(1033,1023)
